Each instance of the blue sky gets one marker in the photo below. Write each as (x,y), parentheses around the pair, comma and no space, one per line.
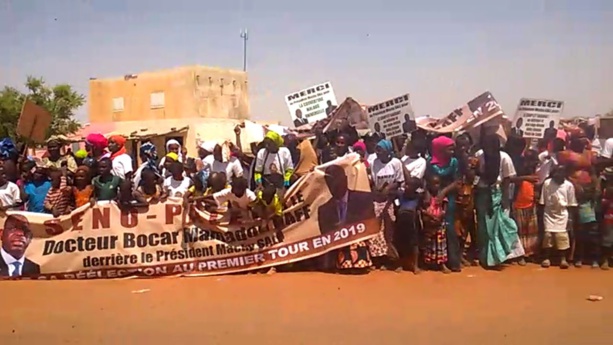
(443,52)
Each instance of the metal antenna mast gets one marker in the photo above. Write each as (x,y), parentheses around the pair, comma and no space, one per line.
(245,37)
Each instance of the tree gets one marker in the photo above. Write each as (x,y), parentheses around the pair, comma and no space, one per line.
(60,100)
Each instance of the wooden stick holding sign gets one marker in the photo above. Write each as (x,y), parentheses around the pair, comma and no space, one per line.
(33,122)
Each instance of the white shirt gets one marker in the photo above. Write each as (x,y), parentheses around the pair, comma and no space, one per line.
(9,194)
(243,202)
(557,199)
(232,168)
(390,172)
(122,165)
(10,261)
(607,150)
(370,158)
(415,166)
(136,176)
(176,188)
(507,169)
(546,162)
(596,146)
(278,162)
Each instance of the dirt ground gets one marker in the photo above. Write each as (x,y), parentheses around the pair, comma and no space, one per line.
(517,306)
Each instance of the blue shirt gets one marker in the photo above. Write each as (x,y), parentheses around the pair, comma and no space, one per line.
(37,192)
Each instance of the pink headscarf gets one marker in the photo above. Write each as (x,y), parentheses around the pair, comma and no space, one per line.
(439,156)
(359,145)
(97,140)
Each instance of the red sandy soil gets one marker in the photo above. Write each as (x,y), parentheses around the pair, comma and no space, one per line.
(525,306)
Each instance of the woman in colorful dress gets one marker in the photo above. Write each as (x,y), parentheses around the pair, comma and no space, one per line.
(445,166)
(435,226)
(497,232)
(387,175)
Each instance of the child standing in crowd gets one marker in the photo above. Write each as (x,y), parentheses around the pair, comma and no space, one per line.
(524,205)
(82,190)
(36,187)
(269,206)
(195,193)
(607,228)
(239,197)
(408,224)
(433,217)
(559,201)
(148,187)
(587,234)
(106,185)
(10,196)
(464,220)
(176,185)
(170,158)
(58,199)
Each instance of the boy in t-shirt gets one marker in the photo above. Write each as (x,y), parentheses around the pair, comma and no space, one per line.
(239,197)
(10,195)
(559,202)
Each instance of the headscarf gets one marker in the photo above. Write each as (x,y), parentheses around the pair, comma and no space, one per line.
(275,138)
(121,142)
(97,140)
(175,142)
(439,156)
(208,146)
(7,148)
(148,151)
(386,145)
(81,154)
(173,156)
(359,145)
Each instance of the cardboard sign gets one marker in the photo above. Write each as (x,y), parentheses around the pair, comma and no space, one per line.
(349,113)
(33,122)
(311,104)
(535,116)
(391,118)
(474,113)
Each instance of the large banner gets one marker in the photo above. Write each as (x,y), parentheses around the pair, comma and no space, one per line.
(329,208)
(311,104)
(536,116)
(474,113)
(392,117)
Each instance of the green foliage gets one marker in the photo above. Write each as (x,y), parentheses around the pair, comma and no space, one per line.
(60,100)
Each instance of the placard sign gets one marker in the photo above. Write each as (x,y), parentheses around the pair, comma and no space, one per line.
(535,116)
(391,117)
(311,104)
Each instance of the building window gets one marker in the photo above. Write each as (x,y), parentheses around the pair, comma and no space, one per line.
(157,100)
(117,104)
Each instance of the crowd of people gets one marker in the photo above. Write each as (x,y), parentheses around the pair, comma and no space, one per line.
(442,203)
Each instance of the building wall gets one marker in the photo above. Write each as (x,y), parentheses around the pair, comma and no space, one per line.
(188,92)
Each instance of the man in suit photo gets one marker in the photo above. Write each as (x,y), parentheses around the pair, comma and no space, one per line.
(346,206)
(330,108)
(16,237)
(378,130)
(299,121)
(409,125)
(517,130)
